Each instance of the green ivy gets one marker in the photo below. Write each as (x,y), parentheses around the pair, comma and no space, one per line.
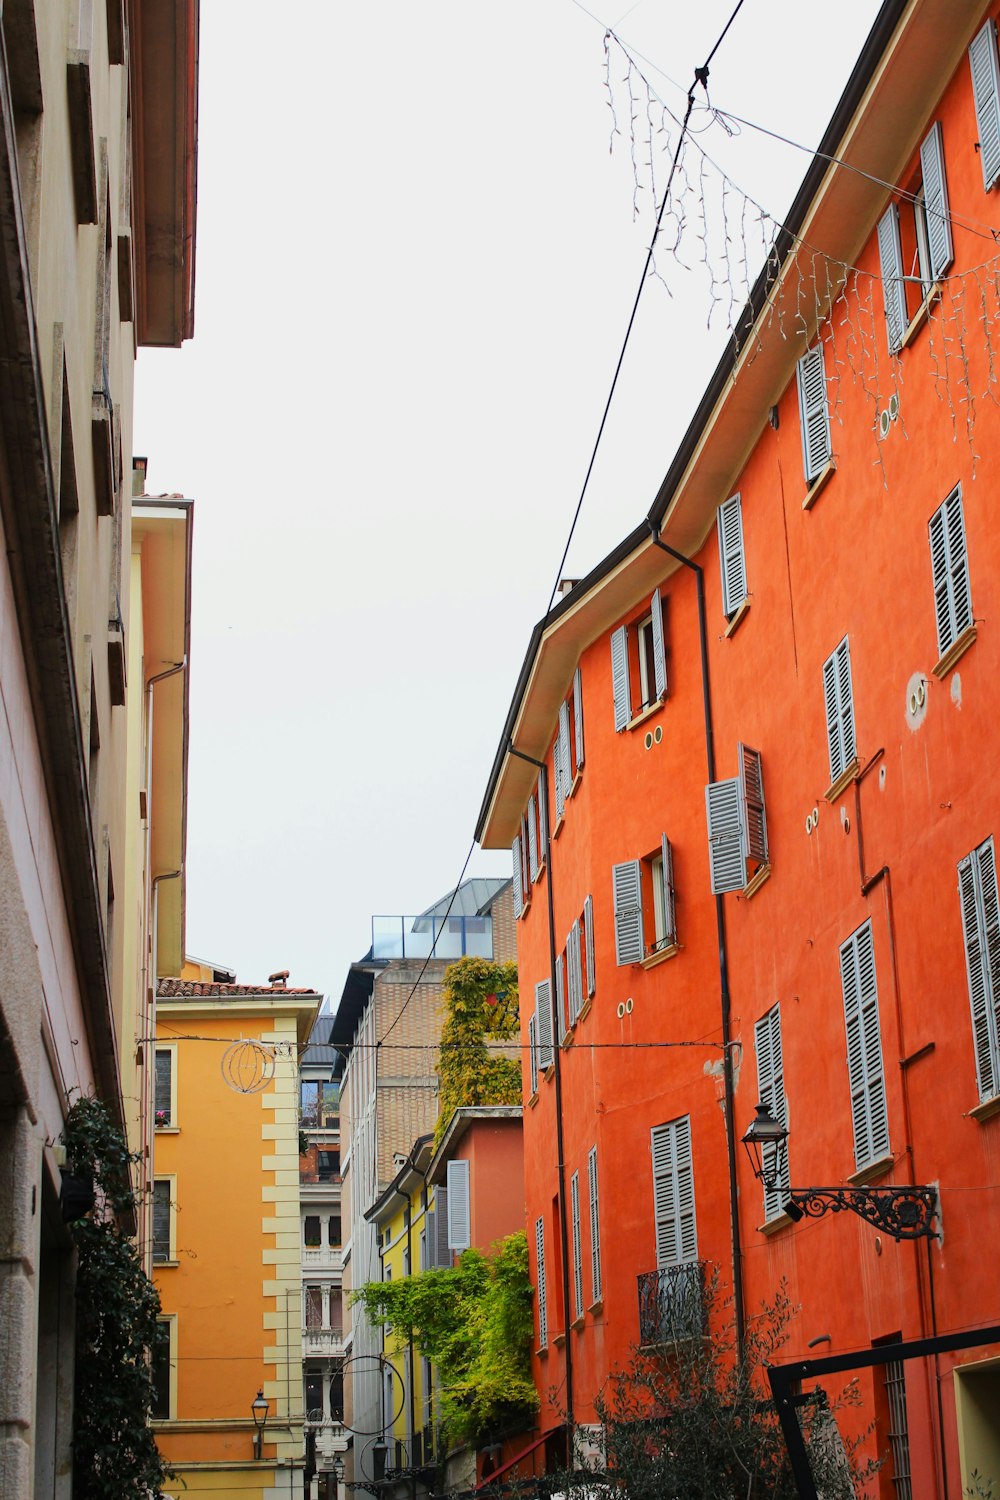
(480,1001)
(114,1454)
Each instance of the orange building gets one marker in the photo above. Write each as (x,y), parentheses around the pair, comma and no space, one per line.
(751,768)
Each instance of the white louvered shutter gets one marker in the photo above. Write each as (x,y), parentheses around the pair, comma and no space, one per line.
(543,1312)
(659,649)
(893,286)
(754,817)
(864,1048)
(588,942)
(595,1226)
(515,850)
(562,789)
(986,93)
(724,806)
(950,568)
(561,996)
(565,734)
(543,1008)
(619,678)
(627,887)
(532,840)
(669,898)
(813,412)
(839,698)
(673,1194)
(574,1204)
(533,1050)
(573,972)
(578,716)
(543,815)
(936,202)
(771,1091)
(977,885)
(459,1227)
(733,563)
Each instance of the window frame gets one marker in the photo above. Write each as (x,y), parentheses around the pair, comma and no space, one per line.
(168,1181)
(166,1049)
(169,1321)
(643,888)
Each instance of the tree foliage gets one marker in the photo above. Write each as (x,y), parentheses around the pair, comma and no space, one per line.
(114,1455)
(480,1000)
(474,1323)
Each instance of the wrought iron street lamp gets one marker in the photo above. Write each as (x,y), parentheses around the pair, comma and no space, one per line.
(260,1407)
(904,1213)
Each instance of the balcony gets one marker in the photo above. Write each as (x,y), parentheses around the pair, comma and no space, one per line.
(417,937)
(331,1437)
(330,1256)
(672,1304)
(324,1343)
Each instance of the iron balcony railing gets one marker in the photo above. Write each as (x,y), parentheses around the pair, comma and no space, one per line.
(426,937)
(672,1304)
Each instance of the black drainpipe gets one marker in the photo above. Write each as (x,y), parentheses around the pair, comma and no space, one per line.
(556,1055)
(720,923)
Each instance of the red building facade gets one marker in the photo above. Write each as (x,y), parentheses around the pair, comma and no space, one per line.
(751,770)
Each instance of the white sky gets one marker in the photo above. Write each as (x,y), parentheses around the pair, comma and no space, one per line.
(416,260)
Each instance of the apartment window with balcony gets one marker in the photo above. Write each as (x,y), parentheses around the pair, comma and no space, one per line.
(671,1303)
(638,652)
(314,1307)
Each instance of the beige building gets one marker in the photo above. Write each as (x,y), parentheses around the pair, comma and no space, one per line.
(97,206)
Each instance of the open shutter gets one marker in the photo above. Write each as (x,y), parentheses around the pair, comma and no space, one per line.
(936,202)
(532,840)
(578,715)
(673,1194)
(562,789)
(771,1091)
(561,996)
(543,1007)
(864,1048)
(543,1313)
(595,1226)
(669,902)
(459,1228)
(977,884)
(574,1204)
(754,819)
(724,806)
(442,1255)
(533,1050)
(813,413)
(950,568)
(659,650)
(588,940)
(573,983)
(566,748)
(986,93)
(543,816)
(733,564)
(839,700)
(515,850)
(619,678)
(893,286)
(627,884)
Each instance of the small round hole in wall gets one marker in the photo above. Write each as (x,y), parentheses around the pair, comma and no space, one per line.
(809,823)
(881,777)
(658,733)
(621,1010)
(628,1006)
(648,740)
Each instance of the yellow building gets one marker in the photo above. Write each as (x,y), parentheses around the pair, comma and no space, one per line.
(225,1237)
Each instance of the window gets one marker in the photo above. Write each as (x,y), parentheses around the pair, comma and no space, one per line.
(164,1363)
(950,569)
(977,886)
(328,1166)
(521,886)
(986,93)
(459,1226)
(914,254)
(574,1201)
(814,413)
(595,1227)
(543,1010)
(864,1048)
(771,1091)
(839,711)
(533,1050)
(580,962)
(333,1230)
(163,1221)
(314,1307)
(164,1103)
(673,1193)
(732,560)
(644,903)
(737,825)
(543,1318)
(639,647)
(899,1433)
(311,1231)
(567,756)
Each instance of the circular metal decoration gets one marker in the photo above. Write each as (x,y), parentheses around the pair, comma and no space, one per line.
(374,1367)
(248,1066)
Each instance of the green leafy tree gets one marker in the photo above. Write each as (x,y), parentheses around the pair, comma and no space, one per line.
(480,999)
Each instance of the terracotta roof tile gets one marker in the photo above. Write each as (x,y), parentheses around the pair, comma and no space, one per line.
(187,989)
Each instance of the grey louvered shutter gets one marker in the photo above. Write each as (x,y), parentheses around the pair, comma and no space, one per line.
(619,678)
(977,885)
(595,1226)
(771,1091)
(839,699)
(515,850)
(754,817)
(430,1241)
(588,942)
(733,564)
(561,996)
(459,1209)
(659,649)
(627,887)
(543,1312)
(893,286)
(562,790)
(573,983)
(669,899)
(543,816)
(442,1255)
(162,1085)
(673,1194)
(533,1050)
(565,740)
(950,568)
(864,1048)
(543,1008)
(936,202)
(727,865)
(574,1203)
(532,840)
(578,715)
(813,412)
(986,93)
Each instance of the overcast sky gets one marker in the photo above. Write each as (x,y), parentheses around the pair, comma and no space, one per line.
(416,260)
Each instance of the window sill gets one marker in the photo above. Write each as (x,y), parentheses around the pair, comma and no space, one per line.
(775,1225)
(543,1352)
(539,872)
(525,908)
(645,713)
(873,1171)
(920,316)
(957,648)
(549,1073)
(818,484)
(567,1040)
(160,1265)
(596,1307)
(652,959)
(558,1340)
(166,1130)
(557,830)
(585,1009)
(986,1110)
(737,618)
(577,1324)
(533,1100)
(842,782)
(755,882)
(576,782)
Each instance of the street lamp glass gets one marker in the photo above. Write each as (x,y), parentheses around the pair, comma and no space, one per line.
(765,1131)
(260,1408)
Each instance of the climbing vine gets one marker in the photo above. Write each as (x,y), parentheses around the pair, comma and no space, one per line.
(114,1455)
(480,1001)
(474,1323)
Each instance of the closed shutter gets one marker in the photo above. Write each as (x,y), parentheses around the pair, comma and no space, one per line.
(515,850)
(561,995)
(162,1086)
(893,286)
(936,202)
(669,900)
(459,1228)
(659,649)
(558,777)
(733,564)
(977,885)
(619,678)
(839,699)
(950,568)
(533,1050)
(813,413)
(986,93)
(673,1194)
(724,804)
(161,1220)
(578,716)
(543,815)
(543,1313)
(595,1226)
(573,972)
(588,942)
(627,884)
(543,1007)
(442,1255)
(532,840)
(574,1204)
(864,1048)
(565,734)
(752,791)
(771,1091)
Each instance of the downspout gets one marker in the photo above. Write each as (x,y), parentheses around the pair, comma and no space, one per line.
(720,924)
(556,1059)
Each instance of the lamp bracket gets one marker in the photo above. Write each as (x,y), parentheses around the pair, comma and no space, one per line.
(905,1213)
